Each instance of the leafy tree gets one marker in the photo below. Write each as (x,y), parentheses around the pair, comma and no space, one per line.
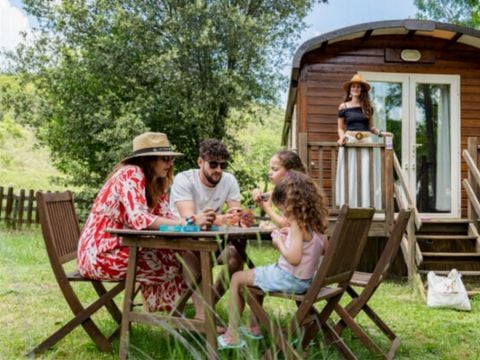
(460,12)
(104,71)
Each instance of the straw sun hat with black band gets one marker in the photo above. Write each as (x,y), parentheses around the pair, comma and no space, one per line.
(152,144)
(356,79)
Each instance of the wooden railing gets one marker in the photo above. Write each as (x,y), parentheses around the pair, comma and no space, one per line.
(321,159)
(472,186)
(410,248)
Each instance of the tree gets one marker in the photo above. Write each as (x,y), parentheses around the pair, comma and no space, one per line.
(460,12)
(104,71)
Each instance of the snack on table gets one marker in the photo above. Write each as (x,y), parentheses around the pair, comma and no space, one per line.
(267,225)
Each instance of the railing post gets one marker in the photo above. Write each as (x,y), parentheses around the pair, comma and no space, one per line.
(472,148)
(389,190)
(303,148)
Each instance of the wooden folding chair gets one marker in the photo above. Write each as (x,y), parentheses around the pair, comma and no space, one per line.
(330,282)
(371,281)
(61,233)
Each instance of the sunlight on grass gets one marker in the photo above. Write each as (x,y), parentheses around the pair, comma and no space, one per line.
(32,307)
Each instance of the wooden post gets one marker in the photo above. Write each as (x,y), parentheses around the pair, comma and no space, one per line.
(31,195)
(9,206)
(472,148)
(303,148)
(388,176)
(21,206)
(411,265)
(1,202)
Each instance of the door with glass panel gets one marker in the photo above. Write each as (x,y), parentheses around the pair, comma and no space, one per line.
(422,111)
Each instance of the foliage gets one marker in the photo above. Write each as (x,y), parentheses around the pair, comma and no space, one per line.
(257,142)
(31,307)
(460,12)
(105,71)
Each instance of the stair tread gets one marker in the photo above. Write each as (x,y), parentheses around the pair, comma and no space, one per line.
(456,254)
(445,272)
(445,237)
(444,221)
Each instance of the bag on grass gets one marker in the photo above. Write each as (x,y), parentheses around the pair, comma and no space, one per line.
(447,291)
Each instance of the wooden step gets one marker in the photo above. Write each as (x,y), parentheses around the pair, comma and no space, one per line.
(445,272)
(450,254)
(439,227)
(444,237)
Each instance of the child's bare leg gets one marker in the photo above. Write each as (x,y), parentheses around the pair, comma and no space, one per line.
(237,302)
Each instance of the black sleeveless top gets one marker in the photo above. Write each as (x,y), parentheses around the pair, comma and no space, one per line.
(354,119)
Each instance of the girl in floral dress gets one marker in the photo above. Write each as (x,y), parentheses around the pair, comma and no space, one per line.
(135,196)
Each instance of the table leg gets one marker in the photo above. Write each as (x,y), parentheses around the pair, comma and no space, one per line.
(128,301)
(207,291)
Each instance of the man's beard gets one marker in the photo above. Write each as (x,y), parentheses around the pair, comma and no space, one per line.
(210,179)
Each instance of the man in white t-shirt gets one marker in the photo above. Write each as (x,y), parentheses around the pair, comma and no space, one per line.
(198,196)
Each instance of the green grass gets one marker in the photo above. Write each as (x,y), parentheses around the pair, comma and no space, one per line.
(32,307)
(24,164)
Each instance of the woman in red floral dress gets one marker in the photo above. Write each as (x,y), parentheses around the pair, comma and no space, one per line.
(135,196)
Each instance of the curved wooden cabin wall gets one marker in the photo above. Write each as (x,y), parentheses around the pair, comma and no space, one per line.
(324,70)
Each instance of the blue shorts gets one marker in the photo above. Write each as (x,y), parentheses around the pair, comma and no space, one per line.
(271,278)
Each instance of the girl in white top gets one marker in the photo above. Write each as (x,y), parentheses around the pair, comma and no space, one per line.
(301,246)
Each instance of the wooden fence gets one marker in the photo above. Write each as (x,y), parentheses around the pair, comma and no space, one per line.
(19,209)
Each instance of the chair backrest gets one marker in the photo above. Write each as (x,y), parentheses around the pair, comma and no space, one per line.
(391,247)
(60,227)
(345,249)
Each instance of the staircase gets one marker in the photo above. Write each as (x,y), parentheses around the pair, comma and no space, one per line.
(449,244)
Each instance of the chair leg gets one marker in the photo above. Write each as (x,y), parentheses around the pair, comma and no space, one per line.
(110,305)
(357,330)
(81,317)
(275,331)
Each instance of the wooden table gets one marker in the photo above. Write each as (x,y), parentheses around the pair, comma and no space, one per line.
(206,243)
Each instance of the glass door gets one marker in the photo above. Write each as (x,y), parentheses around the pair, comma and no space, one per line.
(422,111)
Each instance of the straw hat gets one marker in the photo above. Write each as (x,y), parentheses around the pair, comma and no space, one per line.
(356,79)
(152,144)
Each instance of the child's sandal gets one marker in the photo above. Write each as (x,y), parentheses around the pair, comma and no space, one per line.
(253,333)
(226,341)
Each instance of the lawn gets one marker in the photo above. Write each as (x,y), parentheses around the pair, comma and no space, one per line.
(32,307)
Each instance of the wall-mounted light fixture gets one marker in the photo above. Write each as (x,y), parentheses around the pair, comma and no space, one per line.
(410,55)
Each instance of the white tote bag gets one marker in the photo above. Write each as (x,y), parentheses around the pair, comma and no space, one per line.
(447,291)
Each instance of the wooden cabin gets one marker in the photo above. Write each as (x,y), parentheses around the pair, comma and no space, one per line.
(425,79)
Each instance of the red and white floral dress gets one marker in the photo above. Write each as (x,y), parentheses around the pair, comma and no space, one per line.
(122,203)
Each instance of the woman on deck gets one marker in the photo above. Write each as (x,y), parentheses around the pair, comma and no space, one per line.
(135,196)
(355,125)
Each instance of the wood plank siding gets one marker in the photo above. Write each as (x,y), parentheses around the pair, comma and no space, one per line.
(325,69)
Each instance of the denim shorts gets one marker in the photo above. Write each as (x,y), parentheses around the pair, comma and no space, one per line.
(273,278)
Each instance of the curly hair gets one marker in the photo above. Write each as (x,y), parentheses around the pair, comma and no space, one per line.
(154,189)
(364,101)
(213,148)
(302,200)
(290,160)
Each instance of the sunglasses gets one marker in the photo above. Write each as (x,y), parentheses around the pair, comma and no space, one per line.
(215,164)
(167,158)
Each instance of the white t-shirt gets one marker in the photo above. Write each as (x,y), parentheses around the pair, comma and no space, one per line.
(187,186)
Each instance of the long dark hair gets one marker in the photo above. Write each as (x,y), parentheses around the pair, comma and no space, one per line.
(290,160)
(364,100)
(154,188)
